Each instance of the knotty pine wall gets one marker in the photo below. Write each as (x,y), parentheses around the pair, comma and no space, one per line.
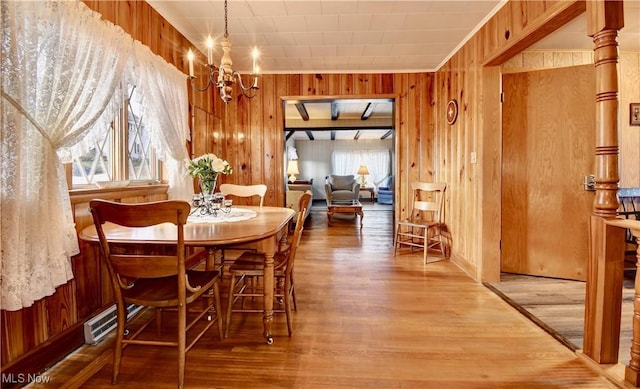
(473,77)
(255,127)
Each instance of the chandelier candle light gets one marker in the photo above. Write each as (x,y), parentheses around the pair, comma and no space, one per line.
(224,77)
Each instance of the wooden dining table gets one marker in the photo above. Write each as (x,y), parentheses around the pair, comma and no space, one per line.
(262,232)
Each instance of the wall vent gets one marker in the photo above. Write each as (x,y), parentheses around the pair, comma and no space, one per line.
(100,325)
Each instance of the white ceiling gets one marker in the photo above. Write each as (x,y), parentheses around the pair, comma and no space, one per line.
(358,36)
(329,36)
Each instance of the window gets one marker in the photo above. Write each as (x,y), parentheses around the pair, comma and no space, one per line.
(378,163)
(125,153)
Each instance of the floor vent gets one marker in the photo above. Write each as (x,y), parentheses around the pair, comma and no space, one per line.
(100,325)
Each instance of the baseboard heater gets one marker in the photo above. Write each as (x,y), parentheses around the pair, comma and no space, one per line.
(100,325)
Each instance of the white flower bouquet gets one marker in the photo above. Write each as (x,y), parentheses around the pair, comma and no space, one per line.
(208,166)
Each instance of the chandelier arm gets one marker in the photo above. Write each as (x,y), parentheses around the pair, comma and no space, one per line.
(254,84)
(250,95)
(213,72)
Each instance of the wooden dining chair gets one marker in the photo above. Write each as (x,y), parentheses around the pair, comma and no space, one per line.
(424,227)
(247,270)
(162,281)
(244,191)
(236,192)
(629,200)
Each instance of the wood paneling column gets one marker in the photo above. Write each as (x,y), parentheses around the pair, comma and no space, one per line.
(604,272)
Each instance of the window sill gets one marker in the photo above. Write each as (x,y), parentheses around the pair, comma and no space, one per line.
(84,194)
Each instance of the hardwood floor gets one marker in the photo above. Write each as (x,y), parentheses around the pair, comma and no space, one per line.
(558,307)
(365,319)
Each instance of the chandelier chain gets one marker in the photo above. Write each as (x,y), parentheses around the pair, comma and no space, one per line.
(224,77)
(226,21)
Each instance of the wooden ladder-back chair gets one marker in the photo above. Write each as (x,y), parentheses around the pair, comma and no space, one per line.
(629,199)
(162,281)
(244,191)
(250,266)
(423,228)
(236,192)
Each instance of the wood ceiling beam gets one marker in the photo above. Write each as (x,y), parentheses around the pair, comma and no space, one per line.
(336,128)
(354,123)
(357,135)
(386,134)
(335,113)
(302,111)
(367,111)
(310,135)
(289,135)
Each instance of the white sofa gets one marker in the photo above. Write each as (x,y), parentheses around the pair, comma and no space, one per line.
(294,191)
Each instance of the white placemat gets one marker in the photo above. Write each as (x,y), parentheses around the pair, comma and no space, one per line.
(236,214)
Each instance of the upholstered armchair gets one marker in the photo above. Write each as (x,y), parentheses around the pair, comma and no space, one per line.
(341,188)
(385,193)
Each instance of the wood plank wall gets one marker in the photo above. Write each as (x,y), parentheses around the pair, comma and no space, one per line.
(249,134)
(255,126)
(473,199)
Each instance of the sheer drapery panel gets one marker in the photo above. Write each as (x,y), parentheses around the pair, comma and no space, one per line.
(378,163)
(164,98)
(63,68)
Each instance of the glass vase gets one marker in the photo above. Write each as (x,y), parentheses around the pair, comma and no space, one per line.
(208,186)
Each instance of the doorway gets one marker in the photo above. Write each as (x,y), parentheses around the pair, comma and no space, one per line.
(317,130)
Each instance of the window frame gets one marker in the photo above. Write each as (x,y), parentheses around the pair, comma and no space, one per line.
(119,151)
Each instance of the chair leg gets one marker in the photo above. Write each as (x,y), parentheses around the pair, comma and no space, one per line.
(287,304)
(182,341)
(395,241)
(443,248)
(117,352)
(232,288)
(280,289)
(159,322)
(425,243)
(219,314)
(293,294)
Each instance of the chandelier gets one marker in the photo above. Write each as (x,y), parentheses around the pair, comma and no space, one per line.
(223,77)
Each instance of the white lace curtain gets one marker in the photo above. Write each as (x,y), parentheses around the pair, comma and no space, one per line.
(163,92)
(62,71)
(378,162)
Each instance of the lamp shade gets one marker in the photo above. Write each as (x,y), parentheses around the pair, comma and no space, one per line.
(363,170)
(292,167)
